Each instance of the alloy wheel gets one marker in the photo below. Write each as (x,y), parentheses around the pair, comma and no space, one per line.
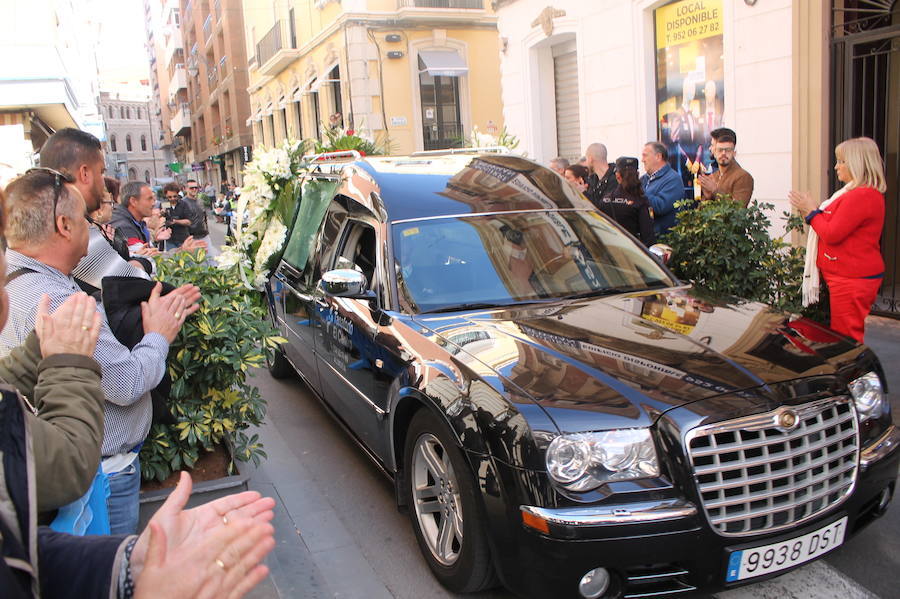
(437,503)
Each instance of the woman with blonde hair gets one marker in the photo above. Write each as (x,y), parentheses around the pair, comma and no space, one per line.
(844,243)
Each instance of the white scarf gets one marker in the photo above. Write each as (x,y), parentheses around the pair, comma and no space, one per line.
(810,286)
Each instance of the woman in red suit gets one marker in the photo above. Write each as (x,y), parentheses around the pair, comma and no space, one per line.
(844,241)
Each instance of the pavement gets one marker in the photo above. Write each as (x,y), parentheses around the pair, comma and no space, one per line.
(316,557)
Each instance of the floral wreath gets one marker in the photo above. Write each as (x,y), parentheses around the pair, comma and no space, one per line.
(269,195)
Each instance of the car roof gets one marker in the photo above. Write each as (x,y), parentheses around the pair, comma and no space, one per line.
(414,187)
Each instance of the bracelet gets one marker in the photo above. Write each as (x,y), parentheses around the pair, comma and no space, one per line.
(808,218)
(126,578)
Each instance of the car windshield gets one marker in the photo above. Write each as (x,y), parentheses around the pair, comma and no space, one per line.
(516,257)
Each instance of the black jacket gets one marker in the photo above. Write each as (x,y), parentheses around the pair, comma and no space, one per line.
(37,560)
(599,188)
(631,211)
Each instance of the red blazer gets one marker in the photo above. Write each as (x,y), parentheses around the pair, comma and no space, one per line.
(850,234)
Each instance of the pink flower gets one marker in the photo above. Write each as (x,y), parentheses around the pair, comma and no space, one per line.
(350,131)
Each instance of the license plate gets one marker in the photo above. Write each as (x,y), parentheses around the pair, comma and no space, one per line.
(757,561)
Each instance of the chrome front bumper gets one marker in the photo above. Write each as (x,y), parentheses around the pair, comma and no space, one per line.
(632,513)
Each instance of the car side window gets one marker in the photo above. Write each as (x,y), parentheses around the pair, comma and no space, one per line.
(328,238)
(358,250)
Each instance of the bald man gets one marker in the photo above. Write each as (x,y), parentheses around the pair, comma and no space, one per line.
(602,180)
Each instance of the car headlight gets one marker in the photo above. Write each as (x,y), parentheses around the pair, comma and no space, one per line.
(868,395)
(583,461)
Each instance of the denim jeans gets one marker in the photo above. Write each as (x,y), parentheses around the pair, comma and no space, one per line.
(124,487)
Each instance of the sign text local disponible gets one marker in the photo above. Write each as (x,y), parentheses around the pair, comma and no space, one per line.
(687,21)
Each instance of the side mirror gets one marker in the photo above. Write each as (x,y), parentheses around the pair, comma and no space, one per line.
(662,251)
(345,282)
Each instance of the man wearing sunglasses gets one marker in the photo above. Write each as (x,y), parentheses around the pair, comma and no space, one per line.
(199,226)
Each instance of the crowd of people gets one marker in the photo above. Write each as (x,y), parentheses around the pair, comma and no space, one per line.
(78,378)
(844,241)
(646,206)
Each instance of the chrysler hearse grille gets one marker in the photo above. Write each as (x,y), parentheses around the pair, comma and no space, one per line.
(773,470)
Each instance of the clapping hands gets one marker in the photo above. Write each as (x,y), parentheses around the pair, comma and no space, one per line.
(72,329)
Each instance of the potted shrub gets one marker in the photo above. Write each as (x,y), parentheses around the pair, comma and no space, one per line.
(209,361)
(726,250)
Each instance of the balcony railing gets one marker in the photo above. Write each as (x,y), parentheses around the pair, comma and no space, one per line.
(477,4)
(181,122)
(207,27)
(218,10)
(269,44)
(276,49)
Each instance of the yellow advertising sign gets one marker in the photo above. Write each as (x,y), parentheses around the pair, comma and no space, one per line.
(687,21)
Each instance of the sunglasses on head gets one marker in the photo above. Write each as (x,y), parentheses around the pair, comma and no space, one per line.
(58,180)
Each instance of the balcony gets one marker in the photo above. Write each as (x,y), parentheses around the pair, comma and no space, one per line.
(174,42)
(181,122)
(275,51)
(468,4)
(178,81)
(207,28)
(218,10)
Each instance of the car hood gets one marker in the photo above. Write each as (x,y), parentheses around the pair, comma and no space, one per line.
(631,357)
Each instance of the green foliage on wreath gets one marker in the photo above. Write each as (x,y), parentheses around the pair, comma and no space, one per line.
(209,362)
(336,139)
(726,250)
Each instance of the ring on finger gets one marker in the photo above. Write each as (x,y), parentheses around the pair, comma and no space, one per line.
(225,520)
(221,564)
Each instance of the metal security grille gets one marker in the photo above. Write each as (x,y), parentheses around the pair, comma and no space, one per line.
(761,473)
(568,124)
(865,89)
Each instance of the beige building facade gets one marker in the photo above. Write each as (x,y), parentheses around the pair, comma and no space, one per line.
(417,73)
(132,146)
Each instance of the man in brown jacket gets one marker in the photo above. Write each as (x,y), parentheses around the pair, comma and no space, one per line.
(730,181)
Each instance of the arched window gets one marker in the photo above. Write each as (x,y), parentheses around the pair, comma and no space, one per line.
(128,144)
(147,177)
(112,142)
(143,143)
(138,113)
(112,114)
(132,174)
(121,112)
(128,112)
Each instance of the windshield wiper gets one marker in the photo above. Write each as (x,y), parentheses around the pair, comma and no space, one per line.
(616,290)
(486,305)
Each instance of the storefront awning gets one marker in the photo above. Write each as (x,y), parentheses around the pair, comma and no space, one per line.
(442,63)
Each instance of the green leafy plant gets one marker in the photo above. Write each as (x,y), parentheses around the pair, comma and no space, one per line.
(338,138)
(726,250)
(209,362)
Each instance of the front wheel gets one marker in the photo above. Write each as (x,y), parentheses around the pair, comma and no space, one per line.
(445,513)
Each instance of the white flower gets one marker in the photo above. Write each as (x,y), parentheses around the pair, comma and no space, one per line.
(229,257)
(271,243)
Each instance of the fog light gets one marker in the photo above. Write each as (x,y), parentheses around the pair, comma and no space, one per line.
(594,583)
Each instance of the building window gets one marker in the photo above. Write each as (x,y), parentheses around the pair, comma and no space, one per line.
(143,143)
(441,123)
(299,112)
(128,143)
(317,118)
(121,112)
(128,112)
(271,120)
(138,113)
(147,177)
(334,83)
(132,174)
(284,129)
(112,114)
(112,142)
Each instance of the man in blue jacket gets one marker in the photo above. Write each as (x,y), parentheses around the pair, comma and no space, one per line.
(661,185)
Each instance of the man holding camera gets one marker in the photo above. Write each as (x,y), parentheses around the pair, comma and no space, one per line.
(178,216)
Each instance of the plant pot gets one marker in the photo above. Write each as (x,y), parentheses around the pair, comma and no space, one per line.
(202,491)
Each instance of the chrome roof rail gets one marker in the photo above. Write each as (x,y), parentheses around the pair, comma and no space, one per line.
(480,150)
(334,157)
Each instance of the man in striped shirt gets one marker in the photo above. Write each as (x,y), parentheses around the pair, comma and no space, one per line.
(47,236)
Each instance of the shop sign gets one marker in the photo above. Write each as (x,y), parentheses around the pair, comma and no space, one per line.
(690,74)
(196,166)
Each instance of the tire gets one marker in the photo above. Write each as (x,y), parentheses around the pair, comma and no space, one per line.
(278,365)
(455,548)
